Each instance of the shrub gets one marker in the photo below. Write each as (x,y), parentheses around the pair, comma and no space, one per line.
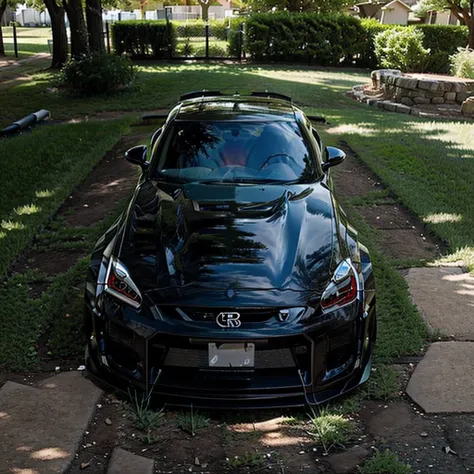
(371,29)
(214,51)
(236,39)
(142,38)
(97,73)
(188,48)
(462,63)
(401,48)
(442,41)
(308,37)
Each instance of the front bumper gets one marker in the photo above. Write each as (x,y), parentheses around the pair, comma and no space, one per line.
(303,365)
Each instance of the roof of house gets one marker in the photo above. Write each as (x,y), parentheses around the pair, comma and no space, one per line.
(390,5)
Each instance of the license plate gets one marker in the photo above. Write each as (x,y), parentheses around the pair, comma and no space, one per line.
(232,355)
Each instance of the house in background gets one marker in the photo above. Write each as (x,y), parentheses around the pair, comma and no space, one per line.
(395,12)
(441,18)
(401,12)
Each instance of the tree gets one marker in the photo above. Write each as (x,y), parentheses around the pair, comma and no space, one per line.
(3,6)
(463,10)
(205,4)
(77,25)
(95,26)
(58,27)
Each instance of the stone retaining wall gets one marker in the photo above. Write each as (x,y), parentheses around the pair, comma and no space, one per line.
(417,90)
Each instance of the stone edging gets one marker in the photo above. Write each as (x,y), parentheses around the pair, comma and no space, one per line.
(379,101)
(419,90)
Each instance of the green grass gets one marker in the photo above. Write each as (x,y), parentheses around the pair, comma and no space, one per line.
(385,463)
(191,421)
(39,170)
(331,430)
(249,461)
(30,40)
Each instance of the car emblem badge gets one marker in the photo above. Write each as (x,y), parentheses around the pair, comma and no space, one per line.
(283,315)
(228,320)
(230,293)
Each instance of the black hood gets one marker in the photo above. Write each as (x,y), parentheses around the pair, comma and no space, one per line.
(205,237)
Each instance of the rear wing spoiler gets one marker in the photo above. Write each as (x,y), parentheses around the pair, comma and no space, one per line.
(216,93)
(204,93)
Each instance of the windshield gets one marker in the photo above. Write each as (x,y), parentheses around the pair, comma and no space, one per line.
(239,152)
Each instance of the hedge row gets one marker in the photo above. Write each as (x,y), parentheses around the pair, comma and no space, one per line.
(197,28)
(338,40)
(144,38)
(303,37)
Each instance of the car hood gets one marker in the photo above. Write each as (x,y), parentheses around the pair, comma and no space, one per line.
(222,238)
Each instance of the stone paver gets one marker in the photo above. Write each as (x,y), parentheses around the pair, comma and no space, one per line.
(41,428)
(445,296)
(444,379)
(124,462)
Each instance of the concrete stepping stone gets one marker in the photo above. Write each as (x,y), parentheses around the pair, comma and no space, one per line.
(124,462)
(41,428)
(443,381)
(445,296)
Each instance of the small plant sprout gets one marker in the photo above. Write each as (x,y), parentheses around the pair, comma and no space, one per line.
(145,418)
(191,422)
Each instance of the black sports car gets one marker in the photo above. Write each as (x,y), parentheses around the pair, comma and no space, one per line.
(232,279)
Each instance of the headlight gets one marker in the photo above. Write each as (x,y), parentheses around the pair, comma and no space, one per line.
(342,288)
(120,285)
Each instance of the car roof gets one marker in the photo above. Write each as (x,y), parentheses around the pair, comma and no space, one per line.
(236,108)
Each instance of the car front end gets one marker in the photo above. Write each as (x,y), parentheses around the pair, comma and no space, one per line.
(233,279)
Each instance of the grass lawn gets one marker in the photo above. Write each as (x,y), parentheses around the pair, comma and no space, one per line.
(30,40)
(39,171)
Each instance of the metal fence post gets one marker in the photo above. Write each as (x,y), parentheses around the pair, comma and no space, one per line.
(169,34)
(241,40)
(207,41)
(15,41)
(107,35)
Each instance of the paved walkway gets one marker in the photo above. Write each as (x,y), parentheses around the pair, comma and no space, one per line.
(444,380)
(41,428)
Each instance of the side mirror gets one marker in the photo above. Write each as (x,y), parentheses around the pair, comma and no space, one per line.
(334,156)
(137,156)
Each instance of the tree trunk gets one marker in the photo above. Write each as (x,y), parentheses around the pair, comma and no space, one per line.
(3,6)
(95,27)
(205,9)
(466,17)
(77,25)
(58,27)
(471,25)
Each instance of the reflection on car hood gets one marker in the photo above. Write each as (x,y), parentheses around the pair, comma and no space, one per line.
(221,237)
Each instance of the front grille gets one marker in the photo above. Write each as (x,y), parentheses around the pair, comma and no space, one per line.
(247,315)
(198,358)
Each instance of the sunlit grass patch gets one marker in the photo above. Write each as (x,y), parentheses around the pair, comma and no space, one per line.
(331,430)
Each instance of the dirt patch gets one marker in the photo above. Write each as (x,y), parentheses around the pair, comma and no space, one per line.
(51,262)
(353,178)
(418,439)
(281,448)
(111,181)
